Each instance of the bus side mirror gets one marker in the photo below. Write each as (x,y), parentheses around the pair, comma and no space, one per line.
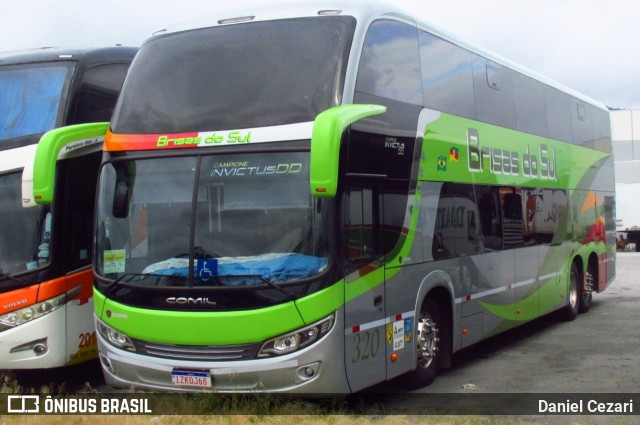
(59,143)
(328,128)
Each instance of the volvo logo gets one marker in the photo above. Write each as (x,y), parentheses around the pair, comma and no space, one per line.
(189,300)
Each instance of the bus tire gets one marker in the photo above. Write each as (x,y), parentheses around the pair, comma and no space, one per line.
(570,311)
(586,291)
(429,344)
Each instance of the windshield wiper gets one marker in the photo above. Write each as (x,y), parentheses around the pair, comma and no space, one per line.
(15,279)
(273,285)
(119,282)
(262,279)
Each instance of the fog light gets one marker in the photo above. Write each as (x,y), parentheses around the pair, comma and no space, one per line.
(40,349)
(308,372)
(106,363)
(38,346)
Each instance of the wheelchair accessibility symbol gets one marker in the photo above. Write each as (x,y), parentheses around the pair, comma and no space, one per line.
(206,268)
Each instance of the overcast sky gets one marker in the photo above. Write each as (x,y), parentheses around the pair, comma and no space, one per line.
(588,45)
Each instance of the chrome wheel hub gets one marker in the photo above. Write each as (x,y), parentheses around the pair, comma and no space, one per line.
(427,341)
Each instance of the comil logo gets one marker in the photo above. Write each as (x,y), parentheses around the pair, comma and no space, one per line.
(23,404)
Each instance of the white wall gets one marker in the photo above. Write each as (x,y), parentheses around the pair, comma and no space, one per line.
(625,135)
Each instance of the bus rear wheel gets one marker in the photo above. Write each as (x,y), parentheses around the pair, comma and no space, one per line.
(428,344)
(586,291)
(570,311)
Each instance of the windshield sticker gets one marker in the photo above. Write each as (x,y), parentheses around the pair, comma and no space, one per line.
(114,261)
(398,335)
(206,268)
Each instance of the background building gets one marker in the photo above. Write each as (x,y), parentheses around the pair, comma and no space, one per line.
(625,135)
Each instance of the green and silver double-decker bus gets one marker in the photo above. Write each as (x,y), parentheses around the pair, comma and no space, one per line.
(323,197)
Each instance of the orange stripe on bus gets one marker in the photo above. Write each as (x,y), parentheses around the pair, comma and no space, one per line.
(63,284)
(18,299)
(132,142)
(122,142)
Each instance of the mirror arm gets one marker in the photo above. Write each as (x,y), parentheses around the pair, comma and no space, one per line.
(49,148)
(326,138)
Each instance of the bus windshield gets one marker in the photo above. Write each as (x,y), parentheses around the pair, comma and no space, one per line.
(237,76)
(234,219)
(31,96)
(24,244)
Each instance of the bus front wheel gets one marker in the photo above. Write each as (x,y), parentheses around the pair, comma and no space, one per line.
(428,344)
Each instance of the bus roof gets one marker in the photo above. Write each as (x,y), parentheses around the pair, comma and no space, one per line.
(52,54)
(364,11)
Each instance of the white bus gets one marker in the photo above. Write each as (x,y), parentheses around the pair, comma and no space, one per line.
(45,252)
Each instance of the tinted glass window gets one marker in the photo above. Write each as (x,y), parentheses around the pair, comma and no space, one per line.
(558,107)
(361,227)
(582,123)
(30,100)
(493,89)
(602,130)
(490,217)
(390,62)
(98,93)
(77,194)
(457,230)
(236,76)
(543,211)
(20,228)
(528,95)
(447,76)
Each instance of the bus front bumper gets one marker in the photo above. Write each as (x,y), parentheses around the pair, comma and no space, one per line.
(317,369)
(38,344)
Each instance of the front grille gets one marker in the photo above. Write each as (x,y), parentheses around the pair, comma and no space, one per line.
(198,352)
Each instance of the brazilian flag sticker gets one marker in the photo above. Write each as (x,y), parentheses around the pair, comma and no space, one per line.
(442,163)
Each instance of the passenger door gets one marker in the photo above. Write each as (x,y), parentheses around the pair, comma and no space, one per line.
(364,275)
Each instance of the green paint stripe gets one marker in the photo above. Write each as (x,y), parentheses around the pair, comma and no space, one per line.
(202,328)
(450,132)
(322,303)
(219,328)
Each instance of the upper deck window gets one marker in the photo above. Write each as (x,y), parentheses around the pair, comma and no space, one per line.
(236,76)
(390,62)
(30,98)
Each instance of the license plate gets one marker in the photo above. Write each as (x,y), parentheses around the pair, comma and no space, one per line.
(191,379)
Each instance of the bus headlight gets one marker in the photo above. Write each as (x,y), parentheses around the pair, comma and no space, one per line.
(296,340)
(115,337)
(27,314)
